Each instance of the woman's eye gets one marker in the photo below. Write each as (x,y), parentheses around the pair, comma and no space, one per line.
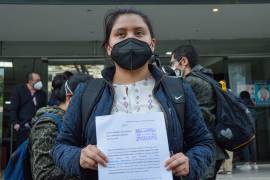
(121,35)
(139,33)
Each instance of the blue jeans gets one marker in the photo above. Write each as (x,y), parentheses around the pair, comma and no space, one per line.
(248,154)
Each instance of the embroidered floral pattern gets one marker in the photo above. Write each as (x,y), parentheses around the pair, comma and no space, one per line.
(135,98)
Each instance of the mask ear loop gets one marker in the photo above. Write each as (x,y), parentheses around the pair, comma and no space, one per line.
(110,58)
(68,90)
(181,57)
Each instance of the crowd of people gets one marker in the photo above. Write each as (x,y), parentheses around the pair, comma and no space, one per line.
(132,85)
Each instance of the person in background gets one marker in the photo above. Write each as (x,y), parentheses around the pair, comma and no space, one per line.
(129,41)
(227,165)
(43,134)
(249,154)
(185,60)
(53,100)
(26,99)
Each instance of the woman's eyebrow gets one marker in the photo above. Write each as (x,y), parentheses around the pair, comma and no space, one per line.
(119,29)
(139,28)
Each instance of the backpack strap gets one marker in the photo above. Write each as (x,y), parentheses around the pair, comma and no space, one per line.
(92,93)
(56,119)
(174,89)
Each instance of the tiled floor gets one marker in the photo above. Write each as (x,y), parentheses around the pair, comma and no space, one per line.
(263,173)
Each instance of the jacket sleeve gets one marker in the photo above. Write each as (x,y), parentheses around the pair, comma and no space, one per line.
(14,106)
(199,144)
(42,139)
(67,150)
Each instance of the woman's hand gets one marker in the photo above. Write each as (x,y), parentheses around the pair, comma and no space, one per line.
(179,164)
(91,156)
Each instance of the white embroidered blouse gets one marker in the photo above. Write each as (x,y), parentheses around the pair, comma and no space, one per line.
(135,98)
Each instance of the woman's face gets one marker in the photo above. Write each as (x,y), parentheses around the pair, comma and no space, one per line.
(129,26)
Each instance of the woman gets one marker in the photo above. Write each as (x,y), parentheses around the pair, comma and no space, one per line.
(132,85)
(53,100)
(44,131)
(248,154)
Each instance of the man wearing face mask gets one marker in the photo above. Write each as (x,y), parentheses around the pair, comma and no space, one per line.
(26,99)
(184,61)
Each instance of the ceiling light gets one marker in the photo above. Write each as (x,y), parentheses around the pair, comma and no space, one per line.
(215,10)
(169,53)
(6,64)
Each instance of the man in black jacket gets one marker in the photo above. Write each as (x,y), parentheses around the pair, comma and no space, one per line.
(26,99)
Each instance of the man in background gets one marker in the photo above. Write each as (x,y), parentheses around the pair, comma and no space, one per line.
(185,60)
(26,99)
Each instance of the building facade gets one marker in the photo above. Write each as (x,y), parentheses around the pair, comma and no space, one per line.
(50,37)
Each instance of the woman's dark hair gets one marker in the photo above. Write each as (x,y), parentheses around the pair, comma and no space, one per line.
(112,16)
(73,82)
(57,93)
(245,96)
(67,74)
(187,51)
(57,80)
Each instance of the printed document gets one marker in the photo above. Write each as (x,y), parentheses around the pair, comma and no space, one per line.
(136,146)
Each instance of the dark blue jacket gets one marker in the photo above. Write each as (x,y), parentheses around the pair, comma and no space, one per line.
(198,143)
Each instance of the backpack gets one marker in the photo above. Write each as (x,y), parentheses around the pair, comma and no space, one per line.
(234,128)
(18,166)
(95,87)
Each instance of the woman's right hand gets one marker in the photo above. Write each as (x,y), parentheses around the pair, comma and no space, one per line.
(91,156)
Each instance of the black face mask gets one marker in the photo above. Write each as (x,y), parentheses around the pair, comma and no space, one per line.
(131,53)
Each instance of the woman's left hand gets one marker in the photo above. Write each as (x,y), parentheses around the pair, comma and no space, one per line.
(179,164)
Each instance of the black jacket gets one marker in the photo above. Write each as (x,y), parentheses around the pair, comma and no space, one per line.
(22,107)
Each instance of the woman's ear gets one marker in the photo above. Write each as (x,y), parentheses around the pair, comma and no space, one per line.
(153,44)
(108,49)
